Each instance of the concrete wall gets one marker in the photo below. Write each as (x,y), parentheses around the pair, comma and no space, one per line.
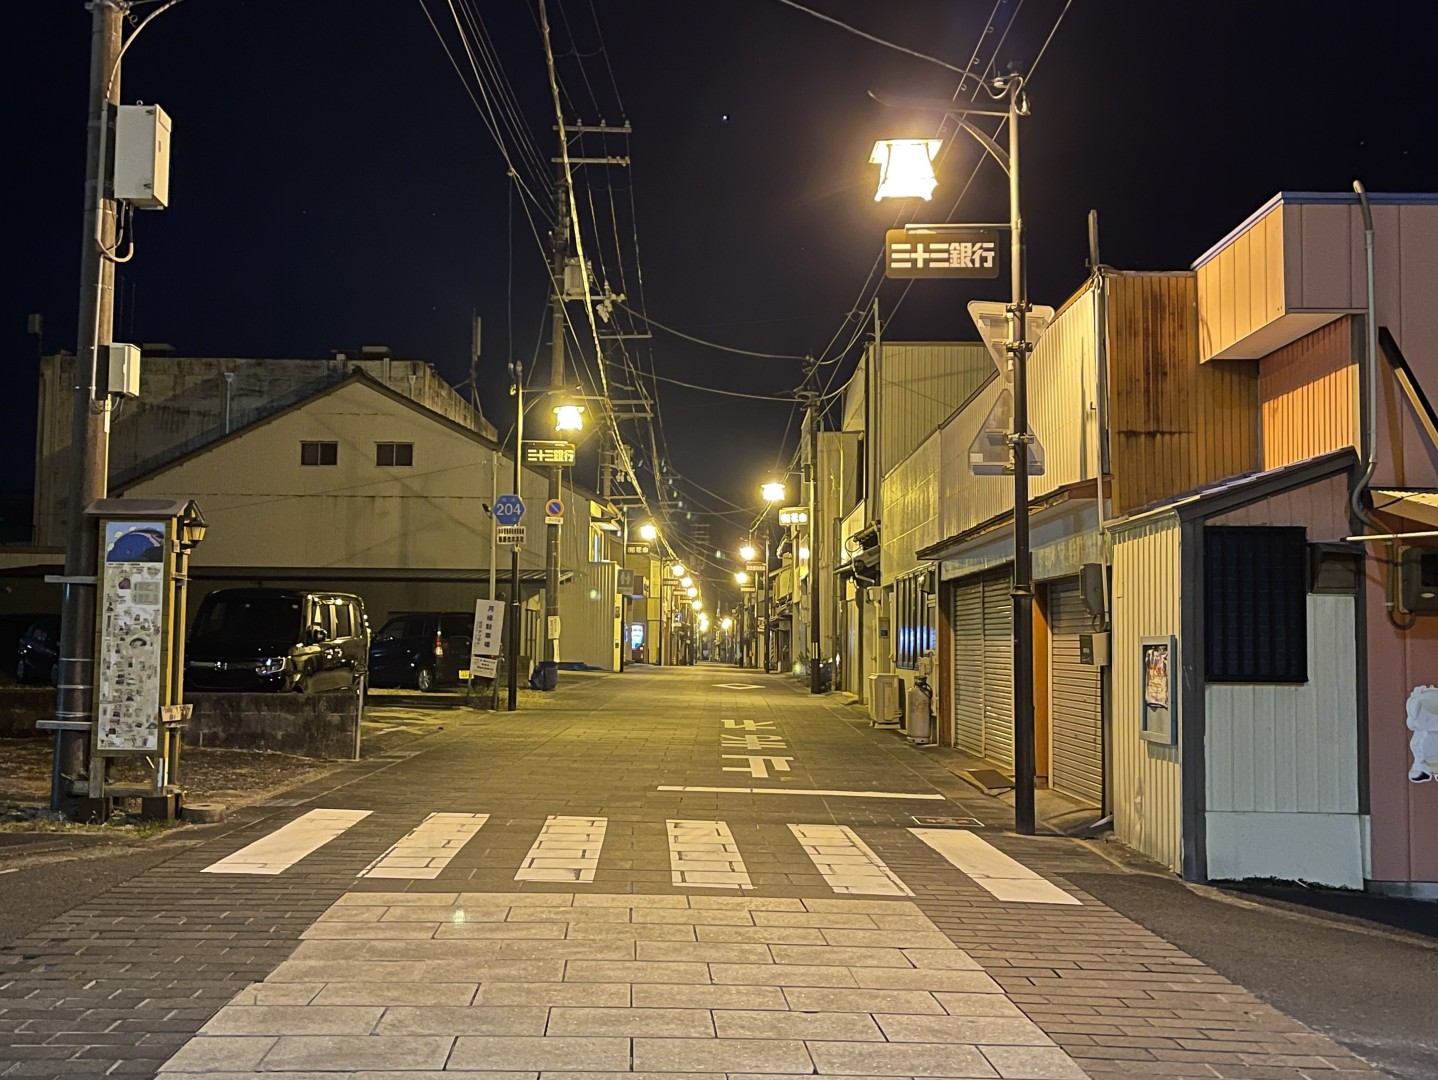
(310,725)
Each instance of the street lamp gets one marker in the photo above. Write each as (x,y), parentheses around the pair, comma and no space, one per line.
(773,491)
(691,591)
(686,581)
(741,577)
(648,531)
(677,570)
(1012,87)
(697,605)
(569,418)
(906,168)
(747,552)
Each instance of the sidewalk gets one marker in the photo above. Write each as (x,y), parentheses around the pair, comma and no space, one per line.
(696,872)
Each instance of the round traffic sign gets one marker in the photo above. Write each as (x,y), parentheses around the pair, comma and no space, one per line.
(508,509)
(554,508)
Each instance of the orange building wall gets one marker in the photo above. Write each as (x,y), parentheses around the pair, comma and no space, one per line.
(1309,394)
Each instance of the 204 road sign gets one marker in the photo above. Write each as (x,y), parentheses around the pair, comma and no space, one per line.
(508,509)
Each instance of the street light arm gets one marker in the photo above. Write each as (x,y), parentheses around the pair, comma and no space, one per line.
(957,114)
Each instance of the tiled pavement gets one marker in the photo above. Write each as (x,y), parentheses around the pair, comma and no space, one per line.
(313,970)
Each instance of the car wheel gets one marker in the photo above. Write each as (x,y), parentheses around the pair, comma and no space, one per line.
(22,672)
(424,679)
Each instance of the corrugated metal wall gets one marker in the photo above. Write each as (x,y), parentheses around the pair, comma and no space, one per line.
(1291,748)
(1241,288)
(1174,424)
(968,625)
(911,510)
(1309,394)
(983,623)
(1147,802)
(1062,412)
(1077,702)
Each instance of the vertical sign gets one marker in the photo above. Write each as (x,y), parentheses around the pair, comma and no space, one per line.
(488,638)
(132,626)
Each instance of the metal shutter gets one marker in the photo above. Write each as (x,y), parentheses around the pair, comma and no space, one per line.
(998,669)
(968,626)
(1077,702)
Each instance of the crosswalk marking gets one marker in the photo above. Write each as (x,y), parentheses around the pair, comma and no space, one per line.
(567,849)
(288,844)
(428,848)
(704,854)
(847,863)
(1004,878)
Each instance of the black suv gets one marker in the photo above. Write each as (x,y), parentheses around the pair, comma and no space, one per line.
(258,640)
(424,649)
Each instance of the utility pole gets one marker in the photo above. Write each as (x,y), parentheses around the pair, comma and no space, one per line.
(512,646)
(816,645)
(90,418)
(1023,594)
(559,255)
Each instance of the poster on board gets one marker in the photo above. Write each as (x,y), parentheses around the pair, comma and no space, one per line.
(132,625)
(1156,670)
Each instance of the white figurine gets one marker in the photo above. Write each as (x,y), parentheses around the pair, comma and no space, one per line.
(1423,722)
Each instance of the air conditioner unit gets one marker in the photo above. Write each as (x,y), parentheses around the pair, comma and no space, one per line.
(884,693)
(1419,580)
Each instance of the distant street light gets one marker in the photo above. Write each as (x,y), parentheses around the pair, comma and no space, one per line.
(726,624)
(677,570)
(741,576)
(697,605)
(686,581)
(691,591)
(648,531)
(747,553)
(773,492)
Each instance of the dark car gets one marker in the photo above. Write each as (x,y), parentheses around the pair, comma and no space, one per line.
(424,649)
(259,640)
(38,654)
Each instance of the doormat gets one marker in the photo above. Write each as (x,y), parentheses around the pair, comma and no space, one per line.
(990,781)
(949,822)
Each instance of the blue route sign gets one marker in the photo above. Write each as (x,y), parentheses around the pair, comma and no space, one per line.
(508,509)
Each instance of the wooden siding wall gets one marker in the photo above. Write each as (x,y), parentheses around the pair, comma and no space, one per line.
(1175,424)
(1147,777)
(1309,394)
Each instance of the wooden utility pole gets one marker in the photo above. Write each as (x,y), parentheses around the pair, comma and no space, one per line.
(90,418)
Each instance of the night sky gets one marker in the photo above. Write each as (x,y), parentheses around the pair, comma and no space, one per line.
(333,185)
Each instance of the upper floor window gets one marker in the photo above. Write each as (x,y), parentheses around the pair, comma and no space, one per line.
(394,453)
(319,453)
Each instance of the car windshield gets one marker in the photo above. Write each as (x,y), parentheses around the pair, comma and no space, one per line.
(249,618)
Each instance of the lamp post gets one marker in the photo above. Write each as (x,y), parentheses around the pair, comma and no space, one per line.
(773,493)
(1018,348)
(512,644)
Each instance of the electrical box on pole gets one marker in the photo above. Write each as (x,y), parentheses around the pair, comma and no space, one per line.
(142,156)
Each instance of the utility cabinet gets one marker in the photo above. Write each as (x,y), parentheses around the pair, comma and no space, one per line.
(142,156)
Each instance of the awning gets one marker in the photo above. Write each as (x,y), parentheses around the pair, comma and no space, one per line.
(1407,503)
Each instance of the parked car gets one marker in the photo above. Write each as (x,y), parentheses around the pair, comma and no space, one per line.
(423,649)
(38,653)
(259,640)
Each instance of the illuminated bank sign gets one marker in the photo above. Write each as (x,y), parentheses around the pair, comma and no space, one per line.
(947,253)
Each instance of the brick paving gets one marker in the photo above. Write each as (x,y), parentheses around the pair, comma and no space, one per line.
(317,971)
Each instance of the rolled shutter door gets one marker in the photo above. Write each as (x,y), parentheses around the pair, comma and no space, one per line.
(968,626)
(998,669)
(1077,699)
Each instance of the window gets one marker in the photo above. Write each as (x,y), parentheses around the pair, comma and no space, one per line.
(1255,605)
(394,453)
(319,453)
(344,625)
(913,620)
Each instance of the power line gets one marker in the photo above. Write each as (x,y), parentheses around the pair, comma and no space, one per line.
(876,40)
(711,344)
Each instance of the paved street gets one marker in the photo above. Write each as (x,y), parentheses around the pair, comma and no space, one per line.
(698,872)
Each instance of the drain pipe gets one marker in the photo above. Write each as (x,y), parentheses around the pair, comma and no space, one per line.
(229,394)
(1370,426)
(1370,368)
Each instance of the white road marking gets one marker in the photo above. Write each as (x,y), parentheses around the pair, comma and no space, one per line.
(567,849)
(748,725)
(12,870)
(847,863)
(704,854)
(737,685)
(754,742)
(428,848)
(802,791)
(288,844)
(992,870)
(757,766)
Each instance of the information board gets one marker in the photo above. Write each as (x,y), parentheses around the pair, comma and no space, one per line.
(132,628)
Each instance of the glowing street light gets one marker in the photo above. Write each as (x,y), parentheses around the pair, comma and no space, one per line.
(803,554)
(741,576)
(649,531)
(747,553)
(726,624)
(906,168)
(686,581)
(569,418)
(677,570)
(691,591)
(773,491)
(697,605)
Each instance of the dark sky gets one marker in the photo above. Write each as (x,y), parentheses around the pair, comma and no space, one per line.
(332,183)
